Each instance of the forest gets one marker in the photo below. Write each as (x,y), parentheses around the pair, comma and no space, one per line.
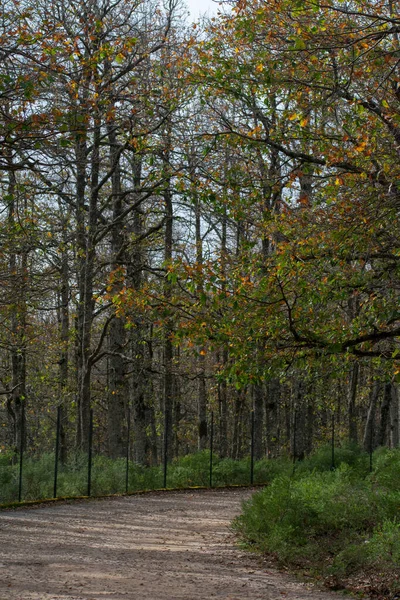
(199,219)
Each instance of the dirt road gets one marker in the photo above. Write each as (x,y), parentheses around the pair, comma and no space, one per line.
(161,546)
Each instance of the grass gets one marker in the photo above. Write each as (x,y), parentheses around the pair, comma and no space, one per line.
(109,476)
(341,525)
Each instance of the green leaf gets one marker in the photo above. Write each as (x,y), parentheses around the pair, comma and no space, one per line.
(300,44)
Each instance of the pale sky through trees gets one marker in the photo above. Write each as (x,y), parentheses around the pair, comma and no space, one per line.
(199,7)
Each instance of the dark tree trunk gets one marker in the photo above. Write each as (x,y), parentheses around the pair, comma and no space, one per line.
(395,418)
(370,425)
(222,386)
(168,328)
(201,360)
(238,424)
(300,415)
(352,397)
(259,401)
(64,299)
(118,382)
(272,402)
(83,321)
(18,268)
(223,413)
(385,412)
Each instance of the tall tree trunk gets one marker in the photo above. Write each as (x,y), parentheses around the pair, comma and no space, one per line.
(299,420)
(118,382)
(18,268)
(222,386)
(272,401)
(238,424)
(352,416)
(259,401)
(223,411)
(64,299)
(385,412)
(86,280)
(177,410)
(310,423)
(168,329)
(201,359)
(370,427)
(83,328)
(144,447)
(395,418)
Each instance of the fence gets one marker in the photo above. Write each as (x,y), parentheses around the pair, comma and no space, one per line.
(33,477)
(26,477)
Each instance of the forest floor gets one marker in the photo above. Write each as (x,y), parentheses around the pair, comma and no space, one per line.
(157,546)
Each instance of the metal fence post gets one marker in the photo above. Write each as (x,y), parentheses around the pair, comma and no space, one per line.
(89,481)
(165,447)
(252,448)
(211,448)
(57,451)
(128,443)
(21,452)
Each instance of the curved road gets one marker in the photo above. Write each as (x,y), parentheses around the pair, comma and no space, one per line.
(157,546)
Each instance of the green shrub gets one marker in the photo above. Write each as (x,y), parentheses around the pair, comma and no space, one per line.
(384,544)
(190,470)
(336,522)
(386,471)
(292,515)
(348,454)
(266,470)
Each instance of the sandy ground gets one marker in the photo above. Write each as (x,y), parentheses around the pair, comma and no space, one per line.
(158,546)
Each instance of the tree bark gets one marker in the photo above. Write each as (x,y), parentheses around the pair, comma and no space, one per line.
(352,416)
(223,411)
(272,402)
(118,382)
(18,269)
(395,418)
(370,425)
(64,299)
(168,328)
(385,413)
(259,401)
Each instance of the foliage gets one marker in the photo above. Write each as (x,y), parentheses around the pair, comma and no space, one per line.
(337,523)
(306,98)
(348,454)
(109,476)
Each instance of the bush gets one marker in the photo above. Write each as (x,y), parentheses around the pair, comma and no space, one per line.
(337,522)
(386,472)
(292,515)
(348,454)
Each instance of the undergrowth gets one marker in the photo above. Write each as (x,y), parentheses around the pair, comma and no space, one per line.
(109,476)
(342,525)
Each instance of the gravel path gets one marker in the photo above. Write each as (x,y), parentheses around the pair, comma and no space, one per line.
(158,546)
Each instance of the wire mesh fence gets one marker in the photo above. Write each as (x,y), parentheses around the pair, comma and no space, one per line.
(34,475)
(29,474)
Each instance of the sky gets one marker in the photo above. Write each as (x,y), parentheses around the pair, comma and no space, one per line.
(199,7)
